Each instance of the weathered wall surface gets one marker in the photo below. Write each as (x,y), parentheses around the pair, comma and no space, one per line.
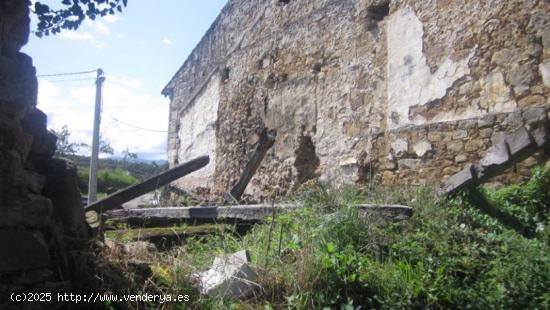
(406,92)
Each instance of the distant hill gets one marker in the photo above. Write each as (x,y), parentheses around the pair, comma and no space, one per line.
(138,168)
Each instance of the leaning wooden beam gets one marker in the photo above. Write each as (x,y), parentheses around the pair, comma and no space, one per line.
(117,199)
(267,139)
(234,214)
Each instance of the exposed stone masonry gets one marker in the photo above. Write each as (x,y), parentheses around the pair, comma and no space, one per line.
(39,199)
(404,92)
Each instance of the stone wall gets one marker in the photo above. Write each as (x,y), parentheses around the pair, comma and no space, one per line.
(405,92)
(39,199)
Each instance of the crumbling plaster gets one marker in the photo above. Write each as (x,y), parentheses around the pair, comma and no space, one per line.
(404,92)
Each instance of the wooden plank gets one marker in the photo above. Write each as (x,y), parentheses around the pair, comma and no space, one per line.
(267,139)
(238,214)
(118,198)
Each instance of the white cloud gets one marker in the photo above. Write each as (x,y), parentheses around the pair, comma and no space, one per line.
(98,26)
(167,41)
(111,19)
(100,45)
(77,35)
(72,104)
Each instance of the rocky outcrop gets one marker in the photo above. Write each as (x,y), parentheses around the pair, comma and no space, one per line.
(403,92)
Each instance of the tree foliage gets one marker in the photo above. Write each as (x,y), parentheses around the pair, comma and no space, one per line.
(64,147)
(72,13)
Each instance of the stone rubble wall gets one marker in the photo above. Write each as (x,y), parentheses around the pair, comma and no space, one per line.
(403,92)
(39,199)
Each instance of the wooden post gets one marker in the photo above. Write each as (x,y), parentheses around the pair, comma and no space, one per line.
(117,199)
(267,139)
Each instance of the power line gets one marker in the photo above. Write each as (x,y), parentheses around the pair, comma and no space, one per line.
(67,73)
(137,127)
(71,80)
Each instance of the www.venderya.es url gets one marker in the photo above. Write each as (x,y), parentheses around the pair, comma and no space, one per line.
(97,297)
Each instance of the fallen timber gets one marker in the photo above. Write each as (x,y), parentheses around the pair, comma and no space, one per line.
(266,141)
(116,199)
(242,214)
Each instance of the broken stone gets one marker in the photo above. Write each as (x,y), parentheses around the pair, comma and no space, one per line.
(521,76)
(513,120)
(348,162)
(532,101)
(486,121)
(518,141)
(230,276)
(422,148)
(460,134)
(486,132)
(506,56)
(467,124)
(540,135)
(496,156)
(408,163)
(535,117)
(460,158)
(459,180)
(399,147)
(22,250)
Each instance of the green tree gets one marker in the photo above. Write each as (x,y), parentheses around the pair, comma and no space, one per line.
(63,145)
(72,14)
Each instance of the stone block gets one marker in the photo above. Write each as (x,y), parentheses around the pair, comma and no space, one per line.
(461,158)
(22,250)
(399,147)
(421,148)
(467,124)
(531,101)
(518,141)
(486,121)
(496,156)
(486,132)
(541,136)
(460,134)
(513,120)
(535,117)
(408,164)
(230,276)
(34,181)
(459,180)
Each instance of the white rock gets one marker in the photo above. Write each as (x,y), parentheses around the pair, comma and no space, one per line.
(230,276)
(422,148)
(399,147)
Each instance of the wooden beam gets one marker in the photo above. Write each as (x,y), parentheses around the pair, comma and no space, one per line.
(117,199)
(236,214)
(267,139)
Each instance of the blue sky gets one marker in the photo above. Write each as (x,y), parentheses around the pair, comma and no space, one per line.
(139,50)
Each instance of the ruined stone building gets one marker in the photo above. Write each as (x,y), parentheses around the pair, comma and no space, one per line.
(403,92)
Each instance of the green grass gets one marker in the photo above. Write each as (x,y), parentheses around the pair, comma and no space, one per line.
(450,254)
(108,180)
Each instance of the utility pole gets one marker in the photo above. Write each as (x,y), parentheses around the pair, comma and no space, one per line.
(92,184)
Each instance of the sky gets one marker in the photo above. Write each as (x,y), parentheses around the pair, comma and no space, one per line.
(139,50)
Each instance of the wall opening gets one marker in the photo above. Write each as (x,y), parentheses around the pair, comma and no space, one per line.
(306,162)
(376,13)
(284,2)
